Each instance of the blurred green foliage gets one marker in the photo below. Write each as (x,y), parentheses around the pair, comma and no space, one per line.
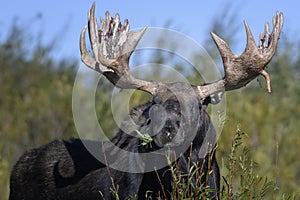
(36,105)
(35,98)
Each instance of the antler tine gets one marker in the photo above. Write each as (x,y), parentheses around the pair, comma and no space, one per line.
(112,46)
(223,48)
(85,56)
(251,45)
(93,31)
(278,24)
(240,70)
(269,42)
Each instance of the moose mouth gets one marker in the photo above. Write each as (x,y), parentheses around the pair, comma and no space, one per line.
(171,135)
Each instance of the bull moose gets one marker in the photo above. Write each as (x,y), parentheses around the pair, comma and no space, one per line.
(175,121)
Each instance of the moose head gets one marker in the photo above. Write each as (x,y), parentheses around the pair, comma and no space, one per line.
(113,44)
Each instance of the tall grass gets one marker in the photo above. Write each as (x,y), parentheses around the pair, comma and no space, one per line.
(239,179)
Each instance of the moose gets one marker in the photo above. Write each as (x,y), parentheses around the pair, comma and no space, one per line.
(175,122)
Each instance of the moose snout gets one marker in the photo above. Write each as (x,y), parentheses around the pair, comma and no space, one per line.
(170,134)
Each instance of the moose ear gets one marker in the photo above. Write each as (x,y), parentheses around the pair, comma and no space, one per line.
(214,98)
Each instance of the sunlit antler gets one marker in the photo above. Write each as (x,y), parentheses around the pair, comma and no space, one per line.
(112,46)
(240,70)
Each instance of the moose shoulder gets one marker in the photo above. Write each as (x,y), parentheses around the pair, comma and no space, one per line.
(175,121)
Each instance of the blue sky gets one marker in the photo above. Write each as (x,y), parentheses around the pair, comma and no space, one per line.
(189,17)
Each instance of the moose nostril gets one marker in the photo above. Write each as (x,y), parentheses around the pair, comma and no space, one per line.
(168,134)
(148,122)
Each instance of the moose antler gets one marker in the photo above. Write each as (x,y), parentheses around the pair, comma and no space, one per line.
(112,46)
(240,70)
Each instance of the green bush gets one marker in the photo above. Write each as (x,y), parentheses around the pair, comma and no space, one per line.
(239,178)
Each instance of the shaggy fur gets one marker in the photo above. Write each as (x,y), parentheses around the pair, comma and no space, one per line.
(66,170)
